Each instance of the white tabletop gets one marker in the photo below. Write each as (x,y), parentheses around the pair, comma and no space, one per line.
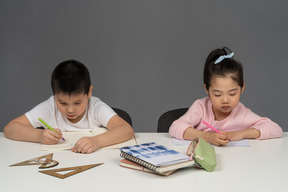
(260,167)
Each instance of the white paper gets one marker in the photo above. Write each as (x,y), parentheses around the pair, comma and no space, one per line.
(242,143)
(72,137)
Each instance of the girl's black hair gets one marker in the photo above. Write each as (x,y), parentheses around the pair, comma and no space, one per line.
(223,68)
(70,77)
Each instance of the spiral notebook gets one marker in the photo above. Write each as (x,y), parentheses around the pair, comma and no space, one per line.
(131,165)
(156,157)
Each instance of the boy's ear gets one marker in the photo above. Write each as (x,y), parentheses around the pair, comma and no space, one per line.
(90,91)
(243,88)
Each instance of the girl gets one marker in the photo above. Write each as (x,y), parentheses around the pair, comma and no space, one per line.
(223,82)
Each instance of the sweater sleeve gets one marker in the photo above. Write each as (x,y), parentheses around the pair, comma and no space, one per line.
(190,119)
(268,129)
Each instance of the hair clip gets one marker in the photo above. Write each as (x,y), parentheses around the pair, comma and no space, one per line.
(221,58)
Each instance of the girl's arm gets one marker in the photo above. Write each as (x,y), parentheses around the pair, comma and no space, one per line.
(210,137)
(266,127)
(21,129)
(250,133)
(118,131)
(190,119)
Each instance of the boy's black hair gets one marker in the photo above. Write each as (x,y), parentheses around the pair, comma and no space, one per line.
(223,68)
(70,77)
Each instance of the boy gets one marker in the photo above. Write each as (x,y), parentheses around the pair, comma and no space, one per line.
(71,108)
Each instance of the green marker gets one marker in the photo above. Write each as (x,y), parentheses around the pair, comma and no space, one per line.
(48,126)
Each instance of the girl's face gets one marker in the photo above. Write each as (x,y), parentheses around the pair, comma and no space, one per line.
(73,107)
(224,94)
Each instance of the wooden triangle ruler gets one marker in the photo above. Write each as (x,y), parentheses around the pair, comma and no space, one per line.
(73,170)
(48,162)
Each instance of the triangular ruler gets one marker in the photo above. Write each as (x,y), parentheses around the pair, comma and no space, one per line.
(48,162)
(72,170)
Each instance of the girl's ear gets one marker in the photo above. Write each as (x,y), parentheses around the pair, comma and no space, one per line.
(243,88)
(206,89)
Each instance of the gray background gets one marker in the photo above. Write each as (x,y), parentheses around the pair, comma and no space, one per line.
(145,57)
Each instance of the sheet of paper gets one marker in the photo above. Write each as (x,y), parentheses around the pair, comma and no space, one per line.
(179,142)
(242,143)
(72,137)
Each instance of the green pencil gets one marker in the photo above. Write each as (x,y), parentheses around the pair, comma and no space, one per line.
(48,126)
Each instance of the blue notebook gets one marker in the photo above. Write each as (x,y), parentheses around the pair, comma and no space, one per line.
(156,157)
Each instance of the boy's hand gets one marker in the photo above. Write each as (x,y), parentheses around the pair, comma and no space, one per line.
(49,137)
(85,145)
(218,139)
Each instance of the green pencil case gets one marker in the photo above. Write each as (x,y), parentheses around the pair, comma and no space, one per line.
(203,154)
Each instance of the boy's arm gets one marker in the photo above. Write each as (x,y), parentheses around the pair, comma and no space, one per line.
(118,131)
(21,129)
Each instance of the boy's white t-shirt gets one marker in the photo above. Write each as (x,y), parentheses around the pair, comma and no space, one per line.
(97,114)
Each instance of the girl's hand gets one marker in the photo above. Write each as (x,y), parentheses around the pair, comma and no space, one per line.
(49,137)
(86,145)
(218,139)
(250,133)
(235,135)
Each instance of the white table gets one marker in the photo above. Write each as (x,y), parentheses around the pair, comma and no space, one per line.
(261,167)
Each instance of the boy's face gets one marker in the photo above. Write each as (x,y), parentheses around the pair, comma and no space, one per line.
(73,107)
(224,94)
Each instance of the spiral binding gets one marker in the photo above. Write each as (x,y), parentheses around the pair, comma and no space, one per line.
(139,161)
